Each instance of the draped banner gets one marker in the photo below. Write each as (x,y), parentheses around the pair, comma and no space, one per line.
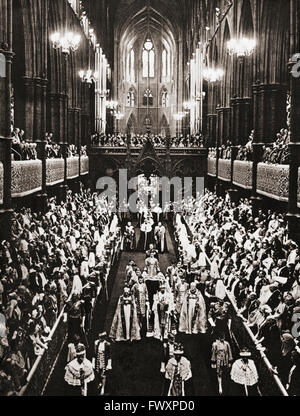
(242,174)
(72,167)
(26,177)
(224,170)
(1,183)
(84,165)
(299,188)
(211,166)
(54,171)
(273,181)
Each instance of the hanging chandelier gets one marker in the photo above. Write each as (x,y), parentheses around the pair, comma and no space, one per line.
(213,75)
(102,93)
(68,42)
(241,47)
(179,116)
(200,96)
(188,105)
(88,76)
(119,116)
(112,105)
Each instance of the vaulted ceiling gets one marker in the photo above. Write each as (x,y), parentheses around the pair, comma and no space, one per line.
(132,17)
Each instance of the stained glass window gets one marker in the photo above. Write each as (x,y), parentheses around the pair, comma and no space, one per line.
(148,59)
(130,69)
(164,64)
(165,99)
(148,98)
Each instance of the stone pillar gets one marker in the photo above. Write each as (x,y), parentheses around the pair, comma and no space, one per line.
(227,123)
(71,126)
(219,187)
(57,105)
(241,120)
(41,198)
(257,152)
(38,110)
(5,126)
(211,129)
(44,83)
(64,187)
(271,103)
(293,212)
(26,112)
(234,193)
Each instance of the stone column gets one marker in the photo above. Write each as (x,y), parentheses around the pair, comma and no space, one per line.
(219,186)
(271,114)
(64,187)
(293,212)
(41,198)
(5,127)
(257,152)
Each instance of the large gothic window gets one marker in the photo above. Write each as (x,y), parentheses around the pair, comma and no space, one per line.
(131,98)
(130,64)
(165,98)
(148,98)
(148,59)
(166,65)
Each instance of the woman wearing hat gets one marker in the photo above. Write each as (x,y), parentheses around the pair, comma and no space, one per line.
(244,375)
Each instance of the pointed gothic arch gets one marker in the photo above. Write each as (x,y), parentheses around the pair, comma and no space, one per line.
(246,22)
(164,127)
(131,125)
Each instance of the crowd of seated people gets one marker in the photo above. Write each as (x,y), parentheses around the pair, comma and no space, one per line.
(259,266)
(188,141)
(53,260)
(278,152)
(224,152)
(138,141)
(24,150)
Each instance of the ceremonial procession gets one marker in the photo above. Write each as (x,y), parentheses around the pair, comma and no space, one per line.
(149,202)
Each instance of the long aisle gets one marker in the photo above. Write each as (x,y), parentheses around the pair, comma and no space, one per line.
(136,366)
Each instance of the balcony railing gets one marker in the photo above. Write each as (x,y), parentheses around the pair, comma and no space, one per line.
(211,166)
(299,188)
(242,174)
(54,171)
(224,170)
(73,167)
(273,181)
(122,150)
(84,161)
(1,183)
(26,177)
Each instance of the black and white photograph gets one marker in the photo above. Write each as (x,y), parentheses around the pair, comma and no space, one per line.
(149,201)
